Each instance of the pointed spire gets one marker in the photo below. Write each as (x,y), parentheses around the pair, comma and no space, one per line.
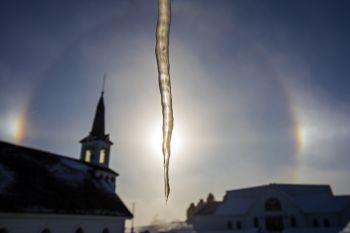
(98,127)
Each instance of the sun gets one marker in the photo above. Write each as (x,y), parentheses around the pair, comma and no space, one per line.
(156,140)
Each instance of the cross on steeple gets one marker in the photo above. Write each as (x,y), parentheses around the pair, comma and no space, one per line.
(103,83)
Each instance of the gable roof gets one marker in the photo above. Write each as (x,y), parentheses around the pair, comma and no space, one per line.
(34,181)
(307,198)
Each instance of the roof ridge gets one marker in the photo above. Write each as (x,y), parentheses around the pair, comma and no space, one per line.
(297,184)
(278,184)
(56,155)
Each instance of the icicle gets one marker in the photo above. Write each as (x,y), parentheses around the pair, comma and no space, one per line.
(162,54)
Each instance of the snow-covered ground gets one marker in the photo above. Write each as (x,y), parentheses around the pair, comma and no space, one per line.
(182,227)
(172,227)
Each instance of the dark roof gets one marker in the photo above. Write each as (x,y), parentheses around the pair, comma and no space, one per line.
(322,204)
(34,181)
(290,189)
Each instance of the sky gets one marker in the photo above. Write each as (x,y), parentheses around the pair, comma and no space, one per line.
(260,92)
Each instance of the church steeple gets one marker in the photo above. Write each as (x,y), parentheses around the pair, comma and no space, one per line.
(96,146)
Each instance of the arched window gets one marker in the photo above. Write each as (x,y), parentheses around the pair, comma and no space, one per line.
(88,156)
(315,223)
(46,230)
(326,223)
(79,230)
(293,222)
(102,156)
(229,225)
(256,222)
(3,230)
(105,230)
(273,204)
(238,225)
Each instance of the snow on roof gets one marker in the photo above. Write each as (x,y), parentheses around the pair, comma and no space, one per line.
(34,181)
(235,206)
(69,170)
(346,229)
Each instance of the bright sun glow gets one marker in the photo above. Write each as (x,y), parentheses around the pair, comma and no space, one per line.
(156,141)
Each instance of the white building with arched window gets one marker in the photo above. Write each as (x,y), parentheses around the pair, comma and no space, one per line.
(273,208)
(42,192)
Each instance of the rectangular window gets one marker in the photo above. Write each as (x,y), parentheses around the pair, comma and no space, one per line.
(88,156)
(102,156)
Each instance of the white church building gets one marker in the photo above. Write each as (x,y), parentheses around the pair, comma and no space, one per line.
(273,208)
(42,192)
